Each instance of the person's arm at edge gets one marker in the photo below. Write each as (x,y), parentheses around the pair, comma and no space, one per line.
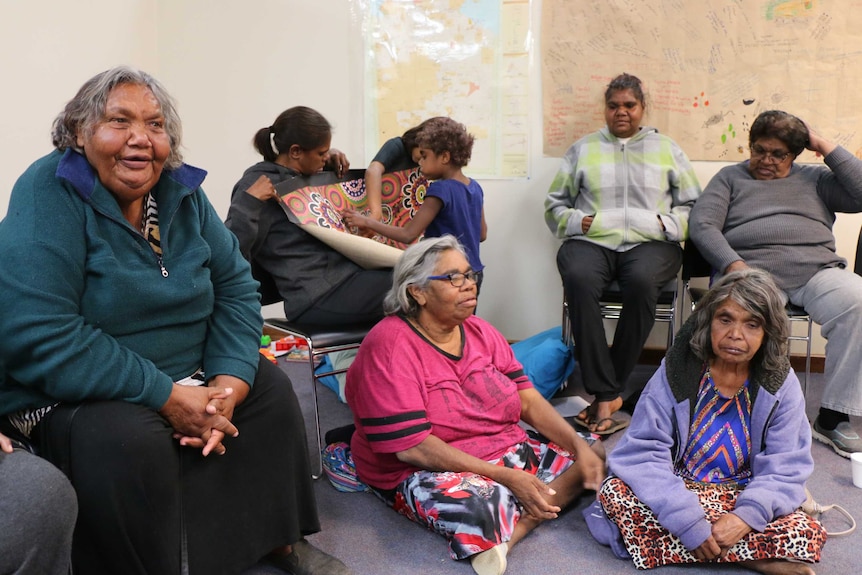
(707,218)
(780,471)
(535,409)
(373,191)
(685,190)
(5,444)
(243,217)
(539,413)
(235,325)
(560,215)
(231,350)
(841,186)
(337,162)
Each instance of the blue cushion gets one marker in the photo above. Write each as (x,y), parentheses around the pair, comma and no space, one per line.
(329,381)
(547,361)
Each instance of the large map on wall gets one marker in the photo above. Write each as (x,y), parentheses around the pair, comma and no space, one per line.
(468,59)
(709,68)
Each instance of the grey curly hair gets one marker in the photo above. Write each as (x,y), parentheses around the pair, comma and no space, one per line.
(88,107)
(413,268)
(756,292)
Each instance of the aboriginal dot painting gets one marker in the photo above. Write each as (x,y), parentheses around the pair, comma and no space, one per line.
(402,193)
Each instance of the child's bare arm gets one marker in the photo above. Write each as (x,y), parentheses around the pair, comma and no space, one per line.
(373,192)
(412,230)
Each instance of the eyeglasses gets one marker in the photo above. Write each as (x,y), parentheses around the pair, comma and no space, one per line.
(457,279)
(776,155)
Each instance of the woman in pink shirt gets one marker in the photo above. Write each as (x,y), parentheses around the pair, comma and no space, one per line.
(437,396)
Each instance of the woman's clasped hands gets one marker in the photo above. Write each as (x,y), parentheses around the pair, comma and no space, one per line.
(201,415)
(727,530)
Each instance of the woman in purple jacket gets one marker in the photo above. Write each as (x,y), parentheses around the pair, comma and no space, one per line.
(713,467)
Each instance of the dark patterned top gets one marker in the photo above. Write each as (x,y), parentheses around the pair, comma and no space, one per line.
(719,442)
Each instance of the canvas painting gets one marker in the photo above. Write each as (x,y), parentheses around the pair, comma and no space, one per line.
(316,202)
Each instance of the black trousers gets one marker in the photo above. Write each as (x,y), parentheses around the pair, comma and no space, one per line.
(149,506)
(358,300)
(586,270)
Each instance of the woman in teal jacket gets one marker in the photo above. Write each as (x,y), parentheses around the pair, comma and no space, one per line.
(132,326)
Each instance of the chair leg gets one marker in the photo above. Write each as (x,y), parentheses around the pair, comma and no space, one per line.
(316,457)
(803,380)
(566,325)
(671,326)
(807,361)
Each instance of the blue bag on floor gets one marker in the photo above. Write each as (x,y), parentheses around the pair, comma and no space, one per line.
(329,381)
(547,361)
(336,360)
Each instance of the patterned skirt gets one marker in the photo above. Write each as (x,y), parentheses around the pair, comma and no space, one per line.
(473,512)
(794,536)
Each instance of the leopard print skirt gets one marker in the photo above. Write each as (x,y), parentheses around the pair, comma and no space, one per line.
(795,536)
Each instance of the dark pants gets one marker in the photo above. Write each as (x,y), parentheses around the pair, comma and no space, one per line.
(358,300)
(149,506)
(586,270)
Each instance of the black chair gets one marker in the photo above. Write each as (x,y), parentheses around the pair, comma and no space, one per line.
(857,264)
(693,266)
(321,339)
(611,305)
(699,267)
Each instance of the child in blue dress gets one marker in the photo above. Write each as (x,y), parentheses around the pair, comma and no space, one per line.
(398,153)
(453,202)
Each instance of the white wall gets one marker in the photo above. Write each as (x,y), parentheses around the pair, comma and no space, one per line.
(47,50)
(233,66)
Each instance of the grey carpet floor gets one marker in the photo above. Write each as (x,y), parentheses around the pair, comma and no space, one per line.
(374,540)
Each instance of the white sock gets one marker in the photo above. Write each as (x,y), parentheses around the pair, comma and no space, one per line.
(491,561)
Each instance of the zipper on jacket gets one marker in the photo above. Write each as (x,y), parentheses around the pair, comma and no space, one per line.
(159,261)
(162,269)
(766,425)
(161,264)
(675,448)
(625,194)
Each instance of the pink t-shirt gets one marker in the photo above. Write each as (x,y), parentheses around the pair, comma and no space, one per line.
(402,388)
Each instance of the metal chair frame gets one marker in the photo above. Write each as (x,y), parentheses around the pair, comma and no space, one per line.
(321,340)
(610,305)
(699,268)
(797,314)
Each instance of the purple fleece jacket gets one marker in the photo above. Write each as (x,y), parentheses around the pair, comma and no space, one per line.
(780,457)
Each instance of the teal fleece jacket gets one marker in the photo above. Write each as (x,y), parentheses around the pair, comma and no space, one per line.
(638,191)
(89,311)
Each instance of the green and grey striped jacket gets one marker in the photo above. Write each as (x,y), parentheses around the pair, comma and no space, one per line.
(638,190)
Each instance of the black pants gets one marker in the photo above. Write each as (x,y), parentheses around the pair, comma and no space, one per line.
(358,300)
(149,506)
(586,270)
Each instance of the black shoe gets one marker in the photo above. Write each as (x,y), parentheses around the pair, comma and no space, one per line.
(306,559)
(339,434)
